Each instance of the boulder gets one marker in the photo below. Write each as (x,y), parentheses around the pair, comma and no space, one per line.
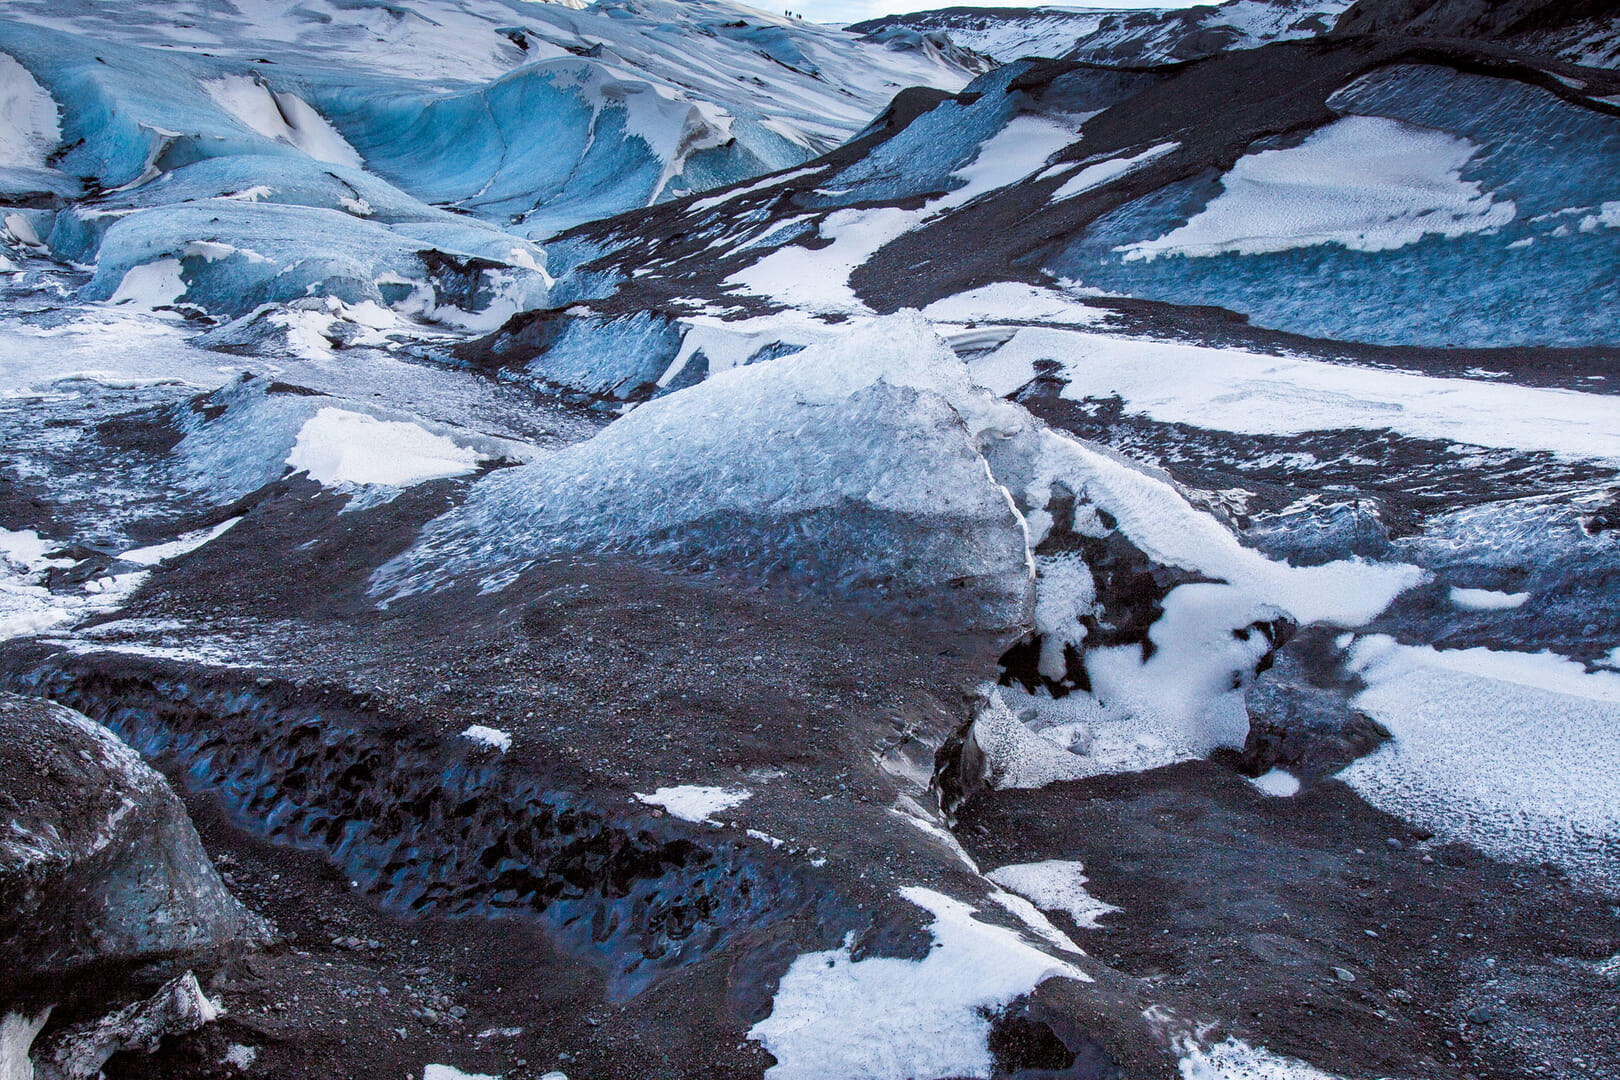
(101,870)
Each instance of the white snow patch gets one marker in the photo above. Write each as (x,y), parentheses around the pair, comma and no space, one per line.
(489,736)
(1066,593)
(214,251)
(1036,922)
(1278,783)
(450,1072)
(1011,301)
(1515,753)
(729,344)
(1236,1060)
(1054,885)
(1252,394)
(22,230)
(1020,148)
(284,117)
(241,1057)
(336,447)
(151,556)
(1104,172)
(1608,217)
(882,1018)
(251,194)
(150,285)
(25,550)
(17,1034)
(1486,599)
(695,802)
(29,128)
(819,279)
(1366,182)
(748,189)
(27,607)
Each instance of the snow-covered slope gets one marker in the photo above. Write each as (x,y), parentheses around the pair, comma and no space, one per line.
(1107,36)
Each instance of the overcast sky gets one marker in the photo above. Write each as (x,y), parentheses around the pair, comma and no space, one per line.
(848,11)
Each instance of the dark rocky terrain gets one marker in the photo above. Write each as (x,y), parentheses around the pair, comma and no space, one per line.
(1107,571)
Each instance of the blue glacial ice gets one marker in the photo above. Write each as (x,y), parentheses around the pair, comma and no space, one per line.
(236,157)
(926,156)
(1501,239)
(844,469)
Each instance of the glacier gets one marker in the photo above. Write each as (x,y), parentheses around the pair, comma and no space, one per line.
(663,538)
(516,119)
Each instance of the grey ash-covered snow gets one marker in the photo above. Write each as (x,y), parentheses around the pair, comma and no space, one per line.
(659,540)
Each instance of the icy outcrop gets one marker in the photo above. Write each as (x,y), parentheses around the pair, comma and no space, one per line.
(848,468)
(178,1008)
(870,466)
(233,260)
(99,863)
(244,174)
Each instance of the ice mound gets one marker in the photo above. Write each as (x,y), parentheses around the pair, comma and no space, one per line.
(847,468)
(337,447)
(233,261)
(504,108)
(222,193)
(553,143)
(870,466)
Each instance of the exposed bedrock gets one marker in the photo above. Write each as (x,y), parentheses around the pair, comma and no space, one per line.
(100,868)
